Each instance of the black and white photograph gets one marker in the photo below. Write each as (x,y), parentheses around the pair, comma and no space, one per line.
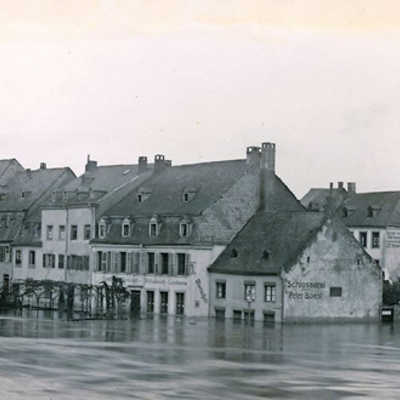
(199,200)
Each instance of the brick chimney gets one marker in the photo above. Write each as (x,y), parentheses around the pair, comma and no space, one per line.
(160,163)
(351,187)
(253,156)
(268,156)
(90,164)
(43,165)
(142,164)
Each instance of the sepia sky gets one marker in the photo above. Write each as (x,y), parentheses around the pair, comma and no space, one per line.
(201,80)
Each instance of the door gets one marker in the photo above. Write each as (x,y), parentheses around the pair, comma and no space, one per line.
(135,302)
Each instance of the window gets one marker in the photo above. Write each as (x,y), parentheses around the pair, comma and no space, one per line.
(150,301)
(186,197)
(181,263)
(32,259)
(270,292)
(265,255)
(18,258)
(237,315)
(3,252)
(153,230)
(150,263)
(61,261)
(269,317)
(61,232)
(123,261)
(370,212)
(164,263)
(234,253)
(180,303)
(363,238)
(220,290)
(250,291)
(126,230)
(375,242)
(164,302)
(139,198)
(49,232)
(86,232)
(184,229)
(102,230)
(74,232)
(49,261)
(335,291)
(219,313)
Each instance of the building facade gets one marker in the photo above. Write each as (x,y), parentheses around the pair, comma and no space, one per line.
(302,266)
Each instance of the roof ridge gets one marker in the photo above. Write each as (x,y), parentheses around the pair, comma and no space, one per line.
(208,162)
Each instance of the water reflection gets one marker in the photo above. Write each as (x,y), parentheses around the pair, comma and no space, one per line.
(162,358)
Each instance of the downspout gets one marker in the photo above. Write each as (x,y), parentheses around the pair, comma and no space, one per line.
(66,243)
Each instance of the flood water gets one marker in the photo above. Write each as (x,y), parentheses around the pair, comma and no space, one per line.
(50,358)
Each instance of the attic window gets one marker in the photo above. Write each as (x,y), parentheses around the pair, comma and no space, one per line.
(154,227)
(266,254)
(126,228)
(370,212)
(102,229)
(234,253)
(126,172)
(140,198)
(188,194)
(143,195)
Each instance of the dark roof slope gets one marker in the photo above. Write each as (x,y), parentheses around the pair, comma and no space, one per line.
(104,177)
(282,236)
(26,187)
(208,181)
(385,209)
(324,199)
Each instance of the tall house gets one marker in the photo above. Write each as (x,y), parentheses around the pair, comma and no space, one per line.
(60,250)
(161,238)
(20,200)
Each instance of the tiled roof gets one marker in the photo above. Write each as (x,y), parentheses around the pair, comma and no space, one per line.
(268,243)
(385,208)
(206,181)
(5,164)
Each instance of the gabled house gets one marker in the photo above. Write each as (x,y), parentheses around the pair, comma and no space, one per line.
(22,195)
(161,238)
(59,251)
(294,266)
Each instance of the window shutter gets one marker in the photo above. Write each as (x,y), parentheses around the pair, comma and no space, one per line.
(44,260)
(53,261)
(171,262)
(188,265)
(157,266)
(108,266)
(143,261)
(136,263)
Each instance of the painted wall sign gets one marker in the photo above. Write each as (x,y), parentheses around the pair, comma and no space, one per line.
(305,290)
(392,238)
(202,293)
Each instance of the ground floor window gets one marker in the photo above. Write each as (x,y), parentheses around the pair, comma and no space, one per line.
(18,257)
(250,291)
(164,302)
(49,260)
(32,258)
(61,261)
(180,303)
(150,301)
(219,313)
(249,315)
(269,316)
(237,315)
(335,291)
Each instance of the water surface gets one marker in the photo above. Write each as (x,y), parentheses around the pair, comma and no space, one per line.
(50,358)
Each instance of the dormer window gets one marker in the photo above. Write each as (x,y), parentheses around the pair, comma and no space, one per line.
(154,227)
(266,254)
(185,227)
(234,253)
(143,194)
(188,194)
(126,227)
(345,212)
(102,229)
(370,212)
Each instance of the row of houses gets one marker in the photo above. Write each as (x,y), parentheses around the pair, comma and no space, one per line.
(226,239)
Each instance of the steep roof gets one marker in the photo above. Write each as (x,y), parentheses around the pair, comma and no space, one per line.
(324,199)
(207,181)
(104,177)
(269,243)
(379,209)
(28,186)
(5,164)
